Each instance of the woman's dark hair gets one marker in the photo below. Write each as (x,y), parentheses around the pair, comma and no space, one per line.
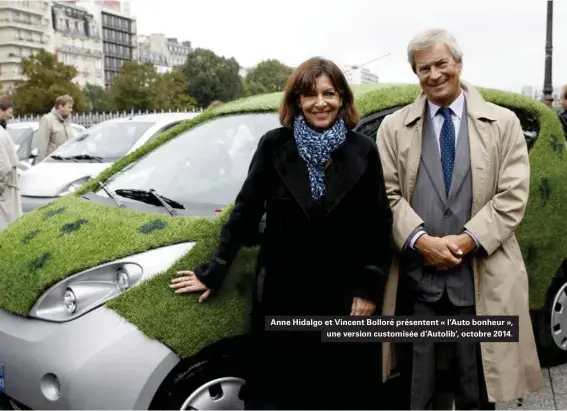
(302,82)
(5,103)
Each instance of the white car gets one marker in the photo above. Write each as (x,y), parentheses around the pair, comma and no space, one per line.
(24,135)
(89,153)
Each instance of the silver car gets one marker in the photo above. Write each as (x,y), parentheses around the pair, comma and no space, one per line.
(24,135)
(89,153)
(105,331)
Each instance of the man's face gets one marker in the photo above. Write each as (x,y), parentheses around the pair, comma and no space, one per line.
(439,74)
(6,114)
(66,110)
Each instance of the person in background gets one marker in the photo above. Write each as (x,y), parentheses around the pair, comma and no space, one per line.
(457,175)
(326,248)
(55,127)
(563,114)
(10,200)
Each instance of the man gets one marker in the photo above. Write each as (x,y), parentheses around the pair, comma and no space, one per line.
(10,200)
(55,127)
(563,114)
(457,176)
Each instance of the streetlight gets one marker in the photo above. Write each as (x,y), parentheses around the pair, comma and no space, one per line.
(547,96)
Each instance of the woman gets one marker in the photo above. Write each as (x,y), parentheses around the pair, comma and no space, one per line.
(326,248)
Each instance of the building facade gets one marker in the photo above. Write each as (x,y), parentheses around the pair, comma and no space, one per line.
(153,49)
(25,28)
(357,75)
(119,35)
(165,53)
(77,41)
(178,52)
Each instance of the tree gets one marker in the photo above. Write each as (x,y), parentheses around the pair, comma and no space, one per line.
(170,92)
(210,77)
(134,87)
(47,79)
(267,77)
(97,97)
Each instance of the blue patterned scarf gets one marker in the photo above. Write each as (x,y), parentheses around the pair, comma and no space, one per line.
(315,149)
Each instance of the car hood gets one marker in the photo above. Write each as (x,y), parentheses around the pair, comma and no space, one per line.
(49,179)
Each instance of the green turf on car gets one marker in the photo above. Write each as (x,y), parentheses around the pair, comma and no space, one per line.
(50,244)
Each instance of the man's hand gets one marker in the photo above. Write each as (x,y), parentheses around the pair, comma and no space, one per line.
(463,241)
(439,252)
(363,307)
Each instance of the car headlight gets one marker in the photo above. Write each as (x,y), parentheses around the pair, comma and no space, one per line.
(85,291)
(74,186)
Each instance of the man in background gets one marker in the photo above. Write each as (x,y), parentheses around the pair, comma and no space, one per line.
(55,127)
(10,200)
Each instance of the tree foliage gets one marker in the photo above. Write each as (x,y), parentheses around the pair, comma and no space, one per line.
(210,77)
(267,77)
(139,86)
(134,87)
(171,92)
(97,98)
(47,79)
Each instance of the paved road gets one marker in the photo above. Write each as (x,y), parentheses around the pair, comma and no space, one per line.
(552,397)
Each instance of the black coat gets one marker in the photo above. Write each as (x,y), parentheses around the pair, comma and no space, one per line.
(563,119)
(314,258)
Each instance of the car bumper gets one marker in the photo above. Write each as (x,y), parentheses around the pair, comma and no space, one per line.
(98,361)
(33,203)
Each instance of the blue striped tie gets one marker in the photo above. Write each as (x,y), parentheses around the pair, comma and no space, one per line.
(447,145)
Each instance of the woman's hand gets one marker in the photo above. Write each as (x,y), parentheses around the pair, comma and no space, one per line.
(361,306)
(189,283)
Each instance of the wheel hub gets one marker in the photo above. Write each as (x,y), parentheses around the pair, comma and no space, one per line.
(559,318)
(220,394)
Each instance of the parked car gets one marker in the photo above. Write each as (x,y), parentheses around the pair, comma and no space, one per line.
(87,318)
(24,135)
(90,152)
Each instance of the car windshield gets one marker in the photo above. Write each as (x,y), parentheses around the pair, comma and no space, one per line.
(110,140)
(206,164)
(19,134)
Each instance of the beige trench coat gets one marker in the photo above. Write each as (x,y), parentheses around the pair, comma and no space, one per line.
(501,176)
(10,200)
(54,131)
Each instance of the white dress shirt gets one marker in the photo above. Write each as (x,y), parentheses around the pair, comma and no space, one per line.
(437,119)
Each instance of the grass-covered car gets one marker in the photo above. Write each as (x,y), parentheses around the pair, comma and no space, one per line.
(87,317)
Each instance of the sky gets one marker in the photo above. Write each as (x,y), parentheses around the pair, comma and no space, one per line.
(503,41)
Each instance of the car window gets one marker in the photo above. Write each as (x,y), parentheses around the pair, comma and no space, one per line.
(206,164)
(22,138)
(530,125)
(19,134)
(163,130)
(110,140)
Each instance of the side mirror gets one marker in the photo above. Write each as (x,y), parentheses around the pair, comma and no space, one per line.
(34,153)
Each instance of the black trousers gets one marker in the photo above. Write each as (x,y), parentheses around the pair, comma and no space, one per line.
(464,377)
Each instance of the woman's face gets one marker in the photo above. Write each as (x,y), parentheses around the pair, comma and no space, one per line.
(321,106)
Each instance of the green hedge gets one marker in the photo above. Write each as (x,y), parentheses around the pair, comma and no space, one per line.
(47,245)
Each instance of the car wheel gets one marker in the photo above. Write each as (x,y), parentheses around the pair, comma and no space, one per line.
(210,381)
(551,324)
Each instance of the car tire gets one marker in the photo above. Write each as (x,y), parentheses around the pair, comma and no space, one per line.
(550,323)
(213,380)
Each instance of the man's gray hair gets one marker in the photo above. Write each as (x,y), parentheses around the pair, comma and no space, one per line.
(429,38)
